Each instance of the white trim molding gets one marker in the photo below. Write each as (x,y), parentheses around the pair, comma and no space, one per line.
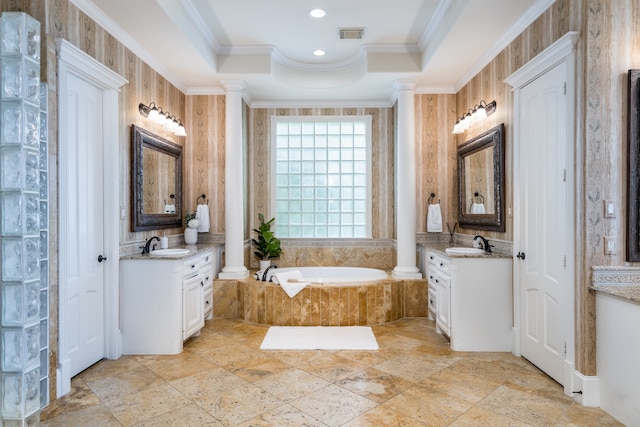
(561,50)
(73,61)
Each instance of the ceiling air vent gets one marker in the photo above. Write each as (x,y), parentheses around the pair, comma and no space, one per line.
(351,33)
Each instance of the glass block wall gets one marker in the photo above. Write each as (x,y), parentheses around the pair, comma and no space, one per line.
(23,224)
(323,176)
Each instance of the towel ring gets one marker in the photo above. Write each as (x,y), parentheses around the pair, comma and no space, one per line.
(204,199)
(432,197)
(476,194)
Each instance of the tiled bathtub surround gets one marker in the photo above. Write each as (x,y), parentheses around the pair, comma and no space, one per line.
(363,303)
(369,253)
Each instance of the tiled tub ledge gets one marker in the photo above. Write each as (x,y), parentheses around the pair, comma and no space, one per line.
(358,303)
(620,281)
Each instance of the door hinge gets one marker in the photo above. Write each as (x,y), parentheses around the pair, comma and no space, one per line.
(565,88)
(564,175)
(565,348)
(564,261)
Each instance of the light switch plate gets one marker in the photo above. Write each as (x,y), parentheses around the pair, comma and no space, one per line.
(609,209)
(610,245)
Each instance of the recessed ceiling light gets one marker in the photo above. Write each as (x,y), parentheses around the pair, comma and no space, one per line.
(317,13)
(319,52)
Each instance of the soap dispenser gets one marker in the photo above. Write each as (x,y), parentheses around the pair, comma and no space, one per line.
(164,241)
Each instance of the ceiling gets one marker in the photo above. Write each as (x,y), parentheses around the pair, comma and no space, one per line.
(199,45)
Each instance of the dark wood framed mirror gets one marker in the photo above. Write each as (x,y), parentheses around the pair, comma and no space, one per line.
(633,166)
(481,181)
(156,176)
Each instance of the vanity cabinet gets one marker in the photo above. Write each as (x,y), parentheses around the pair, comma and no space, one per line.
(163,301)
(473,300)
(439,281)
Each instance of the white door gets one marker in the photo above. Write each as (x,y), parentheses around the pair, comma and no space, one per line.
(542,210)
(82,210)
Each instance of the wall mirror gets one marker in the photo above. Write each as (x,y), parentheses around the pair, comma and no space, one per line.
(481,181)
(633,183)
(156,174)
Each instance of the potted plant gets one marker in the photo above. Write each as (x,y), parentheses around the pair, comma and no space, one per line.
(267,244)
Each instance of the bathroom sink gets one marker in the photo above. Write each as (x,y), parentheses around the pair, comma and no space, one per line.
(169,252)
(464,251)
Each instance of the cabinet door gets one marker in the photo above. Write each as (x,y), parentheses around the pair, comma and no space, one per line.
(192,307)
(443,307)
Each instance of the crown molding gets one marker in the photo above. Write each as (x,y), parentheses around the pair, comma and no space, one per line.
(445,89)
(523,23)
(93,12)
(321,104)
(432,26)
(200,25)
(209,90)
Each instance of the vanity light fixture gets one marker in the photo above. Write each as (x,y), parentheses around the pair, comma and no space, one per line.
(163,118)
(473,115)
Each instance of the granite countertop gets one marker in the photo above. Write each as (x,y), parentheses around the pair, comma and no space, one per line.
(631,293)
(441,248)
(193,250)
(621,281)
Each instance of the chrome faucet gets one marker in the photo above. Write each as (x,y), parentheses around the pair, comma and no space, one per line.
(485,243)
(147,246)
(266,270)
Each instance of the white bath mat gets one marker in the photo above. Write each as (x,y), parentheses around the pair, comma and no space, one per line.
(319,338)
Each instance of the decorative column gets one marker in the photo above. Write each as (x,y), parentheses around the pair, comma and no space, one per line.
(406,184)
(23,224)
(233,173)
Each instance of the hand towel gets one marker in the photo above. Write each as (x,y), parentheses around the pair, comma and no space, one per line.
(434,219)
(477,208)
(202,215)
(291,282)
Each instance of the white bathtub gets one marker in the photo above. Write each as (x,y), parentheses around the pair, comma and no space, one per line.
(334,274)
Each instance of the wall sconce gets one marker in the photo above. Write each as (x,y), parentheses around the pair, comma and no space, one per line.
(473,115)
(163,118)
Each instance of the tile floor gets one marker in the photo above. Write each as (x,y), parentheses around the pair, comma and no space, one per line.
(223,379)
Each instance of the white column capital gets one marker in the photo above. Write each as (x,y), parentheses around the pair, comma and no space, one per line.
(233,85)
(404,85)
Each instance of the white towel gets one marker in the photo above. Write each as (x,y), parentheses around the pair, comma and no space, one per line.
(202,215)
(434,219)
(291,282)
(477,208)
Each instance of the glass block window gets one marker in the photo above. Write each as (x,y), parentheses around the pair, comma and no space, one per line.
(322,176)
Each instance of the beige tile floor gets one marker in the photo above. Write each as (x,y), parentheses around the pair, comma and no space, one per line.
(223,379)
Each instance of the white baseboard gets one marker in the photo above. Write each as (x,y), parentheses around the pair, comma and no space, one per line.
(63,379)
(590,388)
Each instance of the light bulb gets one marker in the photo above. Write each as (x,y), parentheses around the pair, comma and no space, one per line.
(153,114)
(181,131)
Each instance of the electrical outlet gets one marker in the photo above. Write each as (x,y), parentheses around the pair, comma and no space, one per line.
(610,245)
(609,209)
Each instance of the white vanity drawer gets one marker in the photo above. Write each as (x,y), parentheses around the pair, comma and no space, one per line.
(198,263)
(437,265)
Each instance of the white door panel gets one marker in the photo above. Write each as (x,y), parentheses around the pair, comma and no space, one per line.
(83,211)
(543,219)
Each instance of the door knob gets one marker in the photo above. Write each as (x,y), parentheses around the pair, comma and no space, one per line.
(520,255)
(101,258)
